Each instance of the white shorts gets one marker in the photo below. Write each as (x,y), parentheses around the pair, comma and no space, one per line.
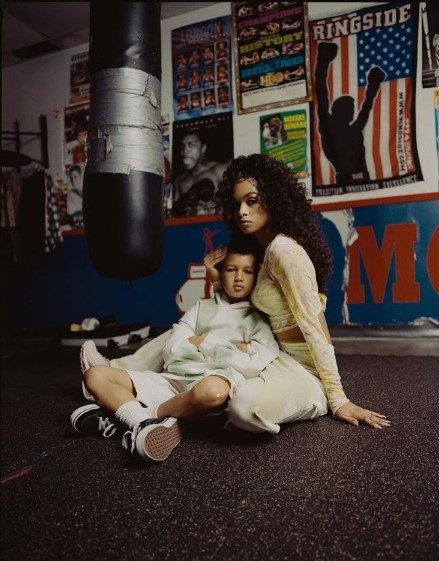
(152,388)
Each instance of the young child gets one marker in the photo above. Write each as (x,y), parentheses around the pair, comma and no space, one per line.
(213,349)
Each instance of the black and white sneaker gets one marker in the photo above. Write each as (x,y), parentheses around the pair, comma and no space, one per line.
(93,420)
(154,439)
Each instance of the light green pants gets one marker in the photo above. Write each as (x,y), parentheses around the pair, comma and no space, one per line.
(287,390)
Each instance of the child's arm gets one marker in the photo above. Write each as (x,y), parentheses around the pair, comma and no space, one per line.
(262,348)
(178,346)
(212,259)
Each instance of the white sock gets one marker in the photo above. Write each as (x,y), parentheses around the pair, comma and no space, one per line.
(132,413)
(152,410)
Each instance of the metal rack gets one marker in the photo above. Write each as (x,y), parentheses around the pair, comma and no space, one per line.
(16,135)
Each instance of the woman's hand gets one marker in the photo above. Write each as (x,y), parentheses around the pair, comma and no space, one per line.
(354,415)
(211,259)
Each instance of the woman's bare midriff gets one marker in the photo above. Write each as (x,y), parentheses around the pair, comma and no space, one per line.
(293,335)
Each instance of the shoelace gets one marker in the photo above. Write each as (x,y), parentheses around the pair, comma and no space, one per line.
(129,440)
(129,437)
(107,427)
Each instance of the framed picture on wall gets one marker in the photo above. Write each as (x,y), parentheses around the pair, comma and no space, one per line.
(79,78)
(202,149)
(363,115)
(271,54)
(201,65)
(284,136)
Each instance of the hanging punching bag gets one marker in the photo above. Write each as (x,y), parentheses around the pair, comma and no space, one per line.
(123,181)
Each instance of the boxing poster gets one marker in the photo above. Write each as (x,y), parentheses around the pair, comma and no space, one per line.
(430,44)
(436,120)
(271,62)
(202,149)
(79,78)
(202,73)
(76,129)
(284,137)
(363,66)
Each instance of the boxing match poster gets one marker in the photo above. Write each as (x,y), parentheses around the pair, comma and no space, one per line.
(430,44)
(363,66)
(284,136)
(271,62)
(202,149)
(436,119)
(75,134)
(79,78)
(202,73)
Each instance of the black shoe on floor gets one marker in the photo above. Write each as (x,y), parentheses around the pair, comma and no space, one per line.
(153,440)
(93,420)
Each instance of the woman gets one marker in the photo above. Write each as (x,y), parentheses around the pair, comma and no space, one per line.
(259,197)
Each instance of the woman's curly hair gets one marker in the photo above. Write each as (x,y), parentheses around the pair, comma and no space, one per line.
(286,202)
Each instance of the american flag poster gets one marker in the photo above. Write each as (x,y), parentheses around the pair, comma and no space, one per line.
(363,111)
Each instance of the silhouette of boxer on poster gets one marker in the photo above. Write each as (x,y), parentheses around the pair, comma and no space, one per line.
(341,135)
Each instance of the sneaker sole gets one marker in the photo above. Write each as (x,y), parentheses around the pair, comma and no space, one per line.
(84,366)
(158,441)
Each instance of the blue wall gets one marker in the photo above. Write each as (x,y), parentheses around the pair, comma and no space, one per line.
(421,219)
(66,288)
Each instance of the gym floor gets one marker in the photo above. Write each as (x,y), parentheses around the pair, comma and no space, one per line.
(317,491)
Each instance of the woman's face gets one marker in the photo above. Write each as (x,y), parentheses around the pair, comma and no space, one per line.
(250,215)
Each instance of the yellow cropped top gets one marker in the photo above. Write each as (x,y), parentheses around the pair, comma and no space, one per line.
(287,292)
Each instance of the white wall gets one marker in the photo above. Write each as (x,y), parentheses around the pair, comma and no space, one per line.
(42,86)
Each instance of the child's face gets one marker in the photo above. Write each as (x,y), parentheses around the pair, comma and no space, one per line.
(238,276)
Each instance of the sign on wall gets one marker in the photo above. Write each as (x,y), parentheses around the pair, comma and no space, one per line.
(430,44)
(202,149)
(76,125)
(284,137)
(363,113)
(436,119)
(79,78)
(271,63)
(202,73)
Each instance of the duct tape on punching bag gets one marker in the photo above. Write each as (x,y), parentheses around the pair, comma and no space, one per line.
(123,182)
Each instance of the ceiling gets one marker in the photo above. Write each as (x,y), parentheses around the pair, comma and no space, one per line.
(33,29)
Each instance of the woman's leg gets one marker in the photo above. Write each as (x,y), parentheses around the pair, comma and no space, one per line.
(148,357)
(284,392)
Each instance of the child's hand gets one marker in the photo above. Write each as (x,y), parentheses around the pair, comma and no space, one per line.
(196,340)
(211,259)
(241,346)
